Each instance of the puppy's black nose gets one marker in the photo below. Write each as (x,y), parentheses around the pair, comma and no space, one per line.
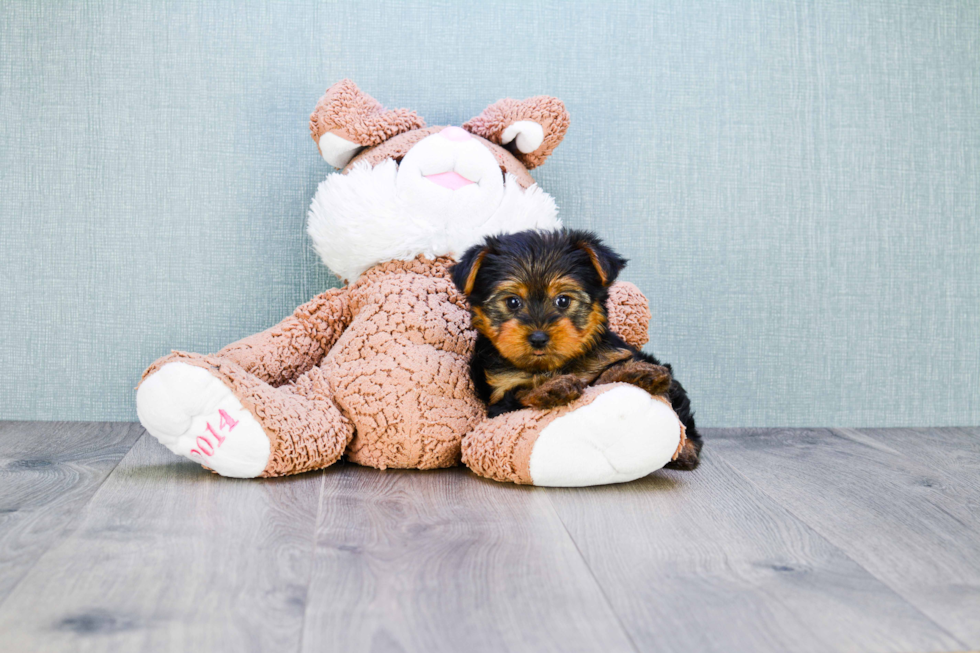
(538,339)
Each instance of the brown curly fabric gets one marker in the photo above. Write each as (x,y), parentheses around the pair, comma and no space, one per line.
(280,354)
(629,313)
(401,370)
(547,111)
(354,115)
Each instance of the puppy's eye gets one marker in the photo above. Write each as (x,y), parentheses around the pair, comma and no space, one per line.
(514,303)
(563,301)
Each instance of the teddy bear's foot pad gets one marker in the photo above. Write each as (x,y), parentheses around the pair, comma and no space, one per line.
(197,416)
(623,435)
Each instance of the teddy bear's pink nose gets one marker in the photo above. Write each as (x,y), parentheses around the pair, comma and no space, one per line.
(456,134)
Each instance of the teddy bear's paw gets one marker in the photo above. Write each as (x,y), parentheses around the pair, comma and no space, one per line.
(623,435)
(197,416)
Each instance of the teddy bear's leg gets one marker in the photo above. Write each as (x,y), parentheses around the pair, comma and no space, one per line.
(215,413)
(612,434)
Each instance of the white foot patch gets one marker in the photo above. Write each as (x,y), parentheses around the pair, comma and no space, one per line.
(196,416)
(621,436)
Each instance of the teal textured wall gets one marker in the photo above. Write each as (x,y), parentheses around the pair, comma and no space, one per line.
(796,183)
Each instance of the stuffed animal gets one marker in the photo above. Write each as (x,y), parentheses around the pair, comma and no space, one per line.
(377,370)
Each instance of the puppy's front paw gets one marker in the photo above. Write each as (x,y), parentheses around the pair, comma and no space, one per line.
(655,379)
(558,391)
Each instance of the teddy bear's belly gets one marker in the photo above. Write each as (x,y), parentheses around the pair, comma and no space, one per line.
(407,389)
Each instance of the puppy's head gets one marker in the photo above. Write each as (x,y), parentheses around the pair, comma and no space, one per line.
(539,296)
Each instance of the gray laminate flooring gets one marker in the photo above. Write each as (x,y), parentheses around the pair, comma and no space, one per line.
(783,540)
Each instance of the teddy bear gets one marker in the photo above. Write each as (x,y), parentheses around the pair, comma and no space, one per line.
(377,371)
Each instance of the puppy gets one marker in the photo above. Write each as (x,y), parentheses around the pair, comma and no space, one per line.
(538,301)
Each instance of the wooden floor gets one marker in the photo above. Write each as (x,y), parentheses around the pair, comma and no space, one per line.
(783,540)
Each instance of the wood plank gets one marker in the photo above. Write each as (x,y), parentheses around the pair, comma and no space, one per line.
(168,557)
(949,451)
(48,472)
(446,561)
(703,561)
(915,529)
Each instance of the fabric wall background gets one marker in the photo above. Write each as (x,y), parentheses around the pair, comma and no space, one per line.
(795,182)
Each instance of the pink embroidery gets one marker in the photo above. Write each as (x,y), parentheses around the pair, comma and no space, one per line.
(205,446)
(219,438)
(226,419)
(208,450)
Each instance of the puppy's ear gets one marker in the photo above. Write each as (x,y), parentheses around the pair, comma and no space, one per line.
(464,272)
(607,262)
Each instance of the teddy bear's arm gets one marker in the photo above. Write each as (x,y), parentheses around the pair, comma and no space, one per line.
(629,313)
(280,354)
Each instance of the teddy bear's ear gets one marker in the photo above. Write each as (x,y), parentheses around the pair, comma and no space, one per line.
(535,126)
(346,120)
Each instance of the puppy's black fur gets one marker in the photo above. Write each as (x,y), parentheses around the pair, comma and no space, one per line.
(538,301)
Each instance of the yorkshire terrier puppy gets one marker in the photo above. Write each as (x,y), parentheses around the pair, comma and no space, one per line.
(538,301)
